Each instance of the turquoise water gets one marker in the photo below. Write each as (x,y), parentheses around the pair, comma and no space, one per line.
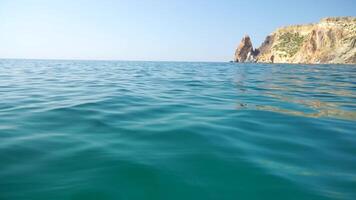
(176,130)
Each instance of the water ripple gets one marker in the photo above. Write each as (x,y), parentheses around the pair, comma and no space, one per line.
(173,130)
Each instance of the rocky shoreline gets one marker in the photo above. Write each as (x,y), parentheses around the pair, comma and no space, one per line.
(331,41)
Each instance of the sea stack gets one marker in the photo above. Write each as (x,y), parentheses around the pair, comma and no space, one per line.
(245,52)
(331,41)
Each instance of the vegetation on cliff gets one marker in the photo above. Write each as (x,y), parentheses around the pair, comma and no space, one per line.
(289,43)
(332,40)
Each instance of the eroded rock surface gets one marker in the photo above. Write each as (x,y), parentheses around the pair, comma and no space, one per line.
(332,40)
(245,51)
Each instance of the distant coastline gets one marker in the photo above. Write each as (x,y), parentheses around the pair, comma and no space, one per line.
(331,41)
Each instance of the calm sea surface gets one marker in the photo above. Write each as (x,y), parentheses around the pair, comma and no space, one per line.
(176,130)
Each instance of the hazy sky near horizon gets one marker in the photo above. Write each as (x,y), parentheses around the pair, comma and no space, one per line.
(181,30)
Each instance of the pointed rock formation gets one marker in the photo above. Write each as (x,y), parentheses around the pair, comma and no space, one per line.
(245,52)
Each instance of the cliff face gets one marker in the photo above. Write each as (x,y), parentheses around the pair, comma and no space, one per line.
(245,52)
(332,40)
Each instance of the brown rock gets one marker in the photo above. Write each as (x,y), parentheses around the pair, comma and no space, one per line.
(244,50)
(332,40)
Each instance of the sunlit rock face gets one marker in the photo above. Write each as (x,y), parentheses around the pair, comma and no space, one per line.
(332,40)
(245,52)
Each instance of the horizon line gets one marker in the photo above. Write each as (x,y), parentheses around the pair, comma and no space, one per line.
(122,60)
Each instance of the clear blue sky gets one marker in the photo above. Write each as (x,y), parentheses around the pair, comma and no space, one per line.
(186,30)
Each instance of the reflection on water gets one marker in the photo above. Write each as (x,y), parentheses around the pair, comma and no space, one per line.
(308,91)
(319,112)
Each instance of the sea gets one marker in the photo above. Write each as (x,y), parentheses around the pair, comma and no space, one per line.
(83,130)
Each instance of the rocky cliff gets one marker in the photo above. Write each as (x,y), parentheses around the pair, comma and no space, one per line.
(245,51)
(332,40)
